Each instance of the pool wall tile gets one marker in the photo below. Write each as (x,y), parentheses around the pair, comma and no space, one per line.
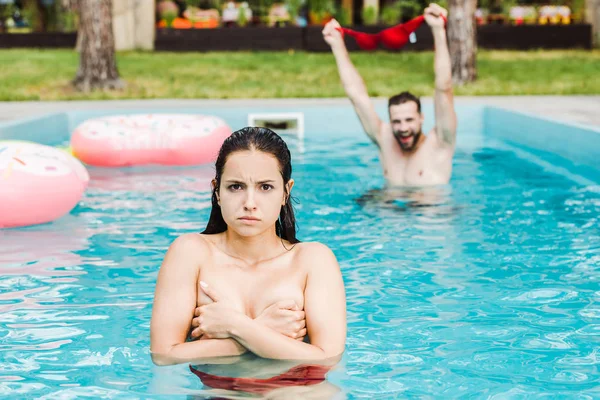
(578,147)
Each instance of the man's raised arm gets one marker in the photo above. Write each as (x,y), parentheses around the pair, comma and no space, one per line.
(353,83)
(445,115)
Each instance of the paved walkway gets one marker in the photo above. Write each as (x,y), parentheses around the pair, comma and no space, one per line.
(575,109)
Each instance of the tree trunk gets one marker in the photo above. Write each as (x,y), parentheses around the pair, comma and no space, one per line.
(3,9)
(462,40)
(97,65)
(592,16)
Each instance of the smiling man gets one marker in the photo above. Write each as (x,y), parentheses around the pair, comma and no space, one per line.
(408,157)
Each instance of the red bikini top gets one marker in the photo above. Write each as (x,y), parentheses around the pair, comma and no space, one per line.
(394,37)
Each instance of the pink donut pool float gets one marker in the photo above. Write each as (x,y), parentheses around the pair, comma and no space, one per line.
(140,139)
(38,183)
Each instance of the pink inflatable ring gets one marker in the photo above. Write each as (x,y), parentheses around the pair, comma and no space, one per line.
(38,183)
(167,139)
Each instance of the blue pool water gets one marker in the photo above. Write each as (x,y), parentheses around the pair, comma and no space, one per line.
(488,287)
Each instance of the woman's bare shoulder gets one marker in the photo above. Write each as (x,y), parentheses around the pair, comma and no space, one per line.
(314,254)
(191,244)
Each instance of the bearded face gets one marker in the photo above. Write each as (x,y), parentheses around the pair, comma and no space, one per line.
(406,122)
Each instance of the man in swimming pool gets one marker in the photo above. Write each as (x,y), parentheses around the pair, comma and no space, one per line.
(408,157)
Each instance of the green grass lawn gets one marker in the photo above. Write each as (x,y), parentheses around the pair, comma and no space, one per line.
(46,74)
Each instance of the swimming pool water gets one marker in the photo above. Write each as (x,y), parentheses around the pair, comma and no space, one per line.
(487,287)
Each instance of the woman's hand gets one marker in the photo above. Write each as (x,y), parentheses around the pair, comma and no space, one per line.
(286,318)
(214,321)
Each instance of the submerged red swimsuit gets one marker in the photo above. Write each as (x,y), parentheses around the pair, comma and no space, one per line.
(301,375)
(394,37)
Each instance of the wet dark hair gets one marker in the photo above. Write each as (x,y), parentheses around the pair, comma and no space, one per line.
(267,141)
(404,97)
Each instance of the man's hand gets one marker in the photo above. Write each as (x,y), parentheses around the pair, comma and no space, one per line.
(332,35)
(435,16)
(286,318)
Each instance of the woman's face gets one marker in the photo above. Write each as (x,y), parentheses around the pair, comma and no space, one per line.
(252,192)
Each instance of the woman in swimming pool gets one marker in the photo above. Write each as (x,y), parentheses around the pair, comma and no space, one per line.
(249,283)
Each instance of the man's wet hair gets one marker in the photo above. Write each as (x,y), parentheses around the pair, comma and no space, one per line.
(404,97)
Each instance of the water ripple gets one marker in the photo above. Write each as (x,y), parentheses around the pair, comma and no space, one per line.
(487,287)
